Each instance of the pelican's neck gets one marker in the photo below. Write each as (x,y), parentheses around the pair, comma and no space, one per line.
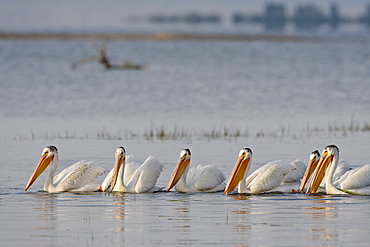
(330,188)
(49,185)
(242,186)
(119,184)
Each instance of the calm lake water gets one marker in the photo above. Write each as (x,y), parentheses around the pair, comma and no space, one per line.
(285,99)
(36,218)
(187,84)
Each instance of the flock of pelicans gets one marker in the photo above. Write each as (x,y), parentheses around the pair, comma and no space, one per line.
(326,174)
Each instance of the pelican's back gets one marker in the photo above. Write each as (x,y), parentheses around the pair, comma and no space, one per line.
(84,174)
(68,170)
(299,168)
(205,177)
(341,170)
(131,165)
(269,176)
(148,174)
(356,178)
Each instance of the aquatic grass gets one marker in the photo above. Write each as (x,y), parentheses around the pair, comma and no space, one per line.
(351,192)
(222,131)
(366,127)
(164,133)
(260,134)
(51,136)
(106,135)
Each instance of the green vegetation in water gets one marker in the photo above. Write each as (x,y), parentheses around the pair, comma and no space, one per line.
(226,132)
(351,192)
(164,133)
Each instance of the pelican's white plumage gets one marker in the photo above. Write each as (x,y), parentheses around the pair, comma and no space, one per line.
(352,181)
(276,175)
(200,178)
(77,177)
(342,171)
(132,176)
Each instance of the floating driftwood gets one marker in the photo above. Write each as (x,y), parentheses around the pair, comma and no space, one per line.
(103,60)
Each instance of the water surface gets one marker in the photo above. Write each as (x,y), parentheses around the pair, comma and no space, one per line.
(190,84)
(106,219)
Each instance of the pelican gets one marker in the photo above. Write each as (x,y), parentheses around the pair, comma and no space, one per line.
(240,172)
(339,173)
(312,164)
(354,181)
(132,176)
(276,175)
(201,178)
(77,177)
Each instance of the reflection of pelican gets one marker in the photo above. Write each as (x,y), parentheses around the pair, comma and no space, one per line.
(274,176)
(353,181)
(312,164)
(130,175)
(201,178)
(77,177)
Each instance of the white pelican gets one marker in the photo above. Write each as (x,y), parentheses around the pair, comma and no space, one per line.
(240,172)
(77,177)
(132,176)
(312,164)
(200,178)
(355,181)
(276,175)
(339,174)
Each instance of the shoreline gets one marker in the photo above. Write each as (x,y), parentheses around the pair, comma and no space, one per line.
(158,36)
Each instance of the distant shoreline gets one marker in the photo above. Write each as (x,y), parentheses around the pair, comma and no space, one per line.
(156,36)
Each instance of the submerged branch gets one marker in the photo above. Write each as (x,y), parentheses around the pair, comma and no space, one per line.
(102,58)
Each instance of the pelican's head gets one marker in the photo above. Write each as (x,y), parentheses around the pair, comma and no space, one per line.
(47,155)
(240,168)
(315,156)
(331,150)
(120,151)
(311,166)
(120,159)
(326,159)
(180,168)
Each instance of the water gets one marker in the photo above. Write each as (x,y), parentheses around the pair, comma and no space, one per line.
(207,83)
(286,98)
(168,219)
(103,219)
